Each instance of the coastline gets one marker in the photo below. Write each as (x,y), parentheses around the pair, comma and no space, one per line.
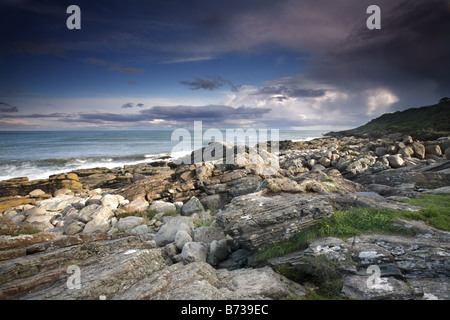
(202,217)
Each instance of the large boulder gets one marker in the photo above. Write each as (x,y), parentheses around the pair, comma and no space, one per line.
(95,211)
(396,161)
(434,150)
(194,252)
(192,206)
(169,229)
(208,234)
(160,206)
(419,150)
(97,225)
(129,223)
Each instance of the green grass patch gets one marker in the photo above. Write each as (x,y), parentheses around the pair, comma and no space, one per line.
(343,225)
(346,224)
(436,212)
(358,221)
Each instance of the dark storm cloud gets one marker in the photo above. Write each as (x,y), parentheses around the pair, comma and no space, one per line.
(410,55)
(210,82)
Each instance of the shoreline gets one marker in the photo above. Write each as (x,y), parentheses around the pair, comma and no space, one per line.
(214,217)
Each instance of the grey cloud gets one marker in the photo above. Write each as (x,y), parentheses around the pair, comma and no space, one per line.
(290,91)
(128,105)
(131,105)
(307,93)
(8,108)
(410,55)
(209,114)
(210,82)
(212,113)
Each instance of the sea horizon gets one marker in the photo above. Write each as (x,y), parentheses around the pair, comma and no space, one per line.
(40,154)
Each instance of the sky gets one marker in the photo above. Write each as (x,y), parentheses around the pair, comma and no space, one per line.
(145,64)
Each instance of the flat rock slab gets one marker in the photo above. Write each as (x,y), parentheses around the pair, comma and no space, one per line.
(256,220)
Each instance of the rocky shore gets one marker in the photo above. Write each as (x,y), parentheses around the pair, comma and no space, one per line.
(178,231)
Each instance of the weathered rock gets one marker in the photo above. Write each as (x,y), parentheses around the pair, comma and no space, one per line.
(261,282)
(169,229)
(407,140)
(95,211)
(94,199)
(256,220)
(434,150)
(74,228)
(396,161)
(381,151)
(192,206)
(423,176)
(194,252)
(218,252)
(356,287)
(141,229)
(238,259)
(406,152)
(7,242)
(181,238)
(63,192)
(36,211)
(96,225)
(447,154)
(282,184)
(208,234)
(106,268)
(358,167)
(128,223)
(41,218)
(199,281)
(136,206)
(54,204)
(110,200)
(149,188)
(419,150)
(162,207)
(302,262)
(215,201)
(36,193)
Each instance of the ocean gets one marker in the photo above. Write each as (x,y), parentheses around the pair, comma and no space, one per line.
(39,154)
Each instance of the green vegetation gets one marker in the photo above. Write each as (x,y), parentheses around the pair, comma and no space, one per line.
(346,224)
(425,123)
(9,228)
(26,230)
(343,225)
(436,212)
